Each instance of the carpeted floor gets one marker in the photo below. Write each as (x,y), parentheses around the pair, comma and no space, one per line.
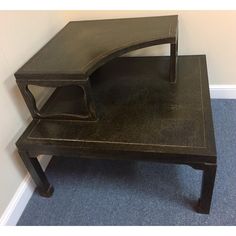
(89,192)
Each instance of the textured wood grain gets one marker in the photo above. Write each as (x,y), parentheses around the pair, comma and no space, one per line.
(139,110)
(82,46)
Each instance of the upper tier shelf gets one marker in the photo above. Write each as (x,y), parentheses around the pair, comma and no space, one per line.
(83,46)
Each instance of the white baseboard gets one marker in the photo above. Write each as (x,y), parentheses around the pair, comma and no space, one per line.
(20,199)
(15,208)
(223,91)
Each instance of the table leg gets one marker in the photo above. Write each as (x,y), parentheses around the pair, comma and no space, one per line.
(208,181)
(88,98)
(37,174)
(29,99)
(173,61)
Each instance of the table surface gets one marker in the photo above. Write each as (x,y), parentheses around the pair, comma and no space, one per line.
(138,108)
(83,46)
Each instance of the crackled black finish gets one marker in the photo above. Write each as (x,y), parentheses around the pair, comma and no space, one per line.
(81,47)
(141,117)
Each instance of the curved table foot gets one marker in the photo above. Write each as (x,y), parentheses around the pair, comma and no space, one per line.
(208,180)
(34,168)
(46,193)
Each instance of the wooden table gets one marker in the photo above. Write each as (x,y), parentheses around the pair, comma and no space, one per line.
(141,116)
(128,108)
(81,47)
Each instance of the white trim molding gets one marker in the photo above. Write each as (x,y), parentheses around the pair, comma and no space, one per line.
(20,199)
(223,91)
(18,203)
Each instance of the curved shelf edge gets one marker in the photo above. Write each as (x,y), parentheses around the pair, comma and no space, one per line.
(112,54)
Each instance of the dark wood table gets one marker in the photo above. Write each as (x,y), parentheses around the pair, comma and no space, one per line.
(141,116)
(81,47)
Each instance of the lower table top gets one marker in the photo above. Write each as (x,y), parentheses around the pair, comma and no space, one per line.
(138,108)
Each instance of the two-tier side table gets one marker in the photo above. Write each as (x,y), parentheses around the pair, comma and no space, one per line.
(110,107)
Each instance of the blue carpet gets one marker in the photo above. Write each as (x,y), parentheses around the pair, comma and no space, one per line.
(97,192)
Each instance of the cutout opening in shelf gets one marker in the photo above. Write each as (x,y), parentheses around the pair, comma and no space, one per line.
(57,101)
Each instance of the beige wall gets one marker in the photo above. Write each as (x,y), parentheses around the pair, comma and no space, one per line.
(23,33)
